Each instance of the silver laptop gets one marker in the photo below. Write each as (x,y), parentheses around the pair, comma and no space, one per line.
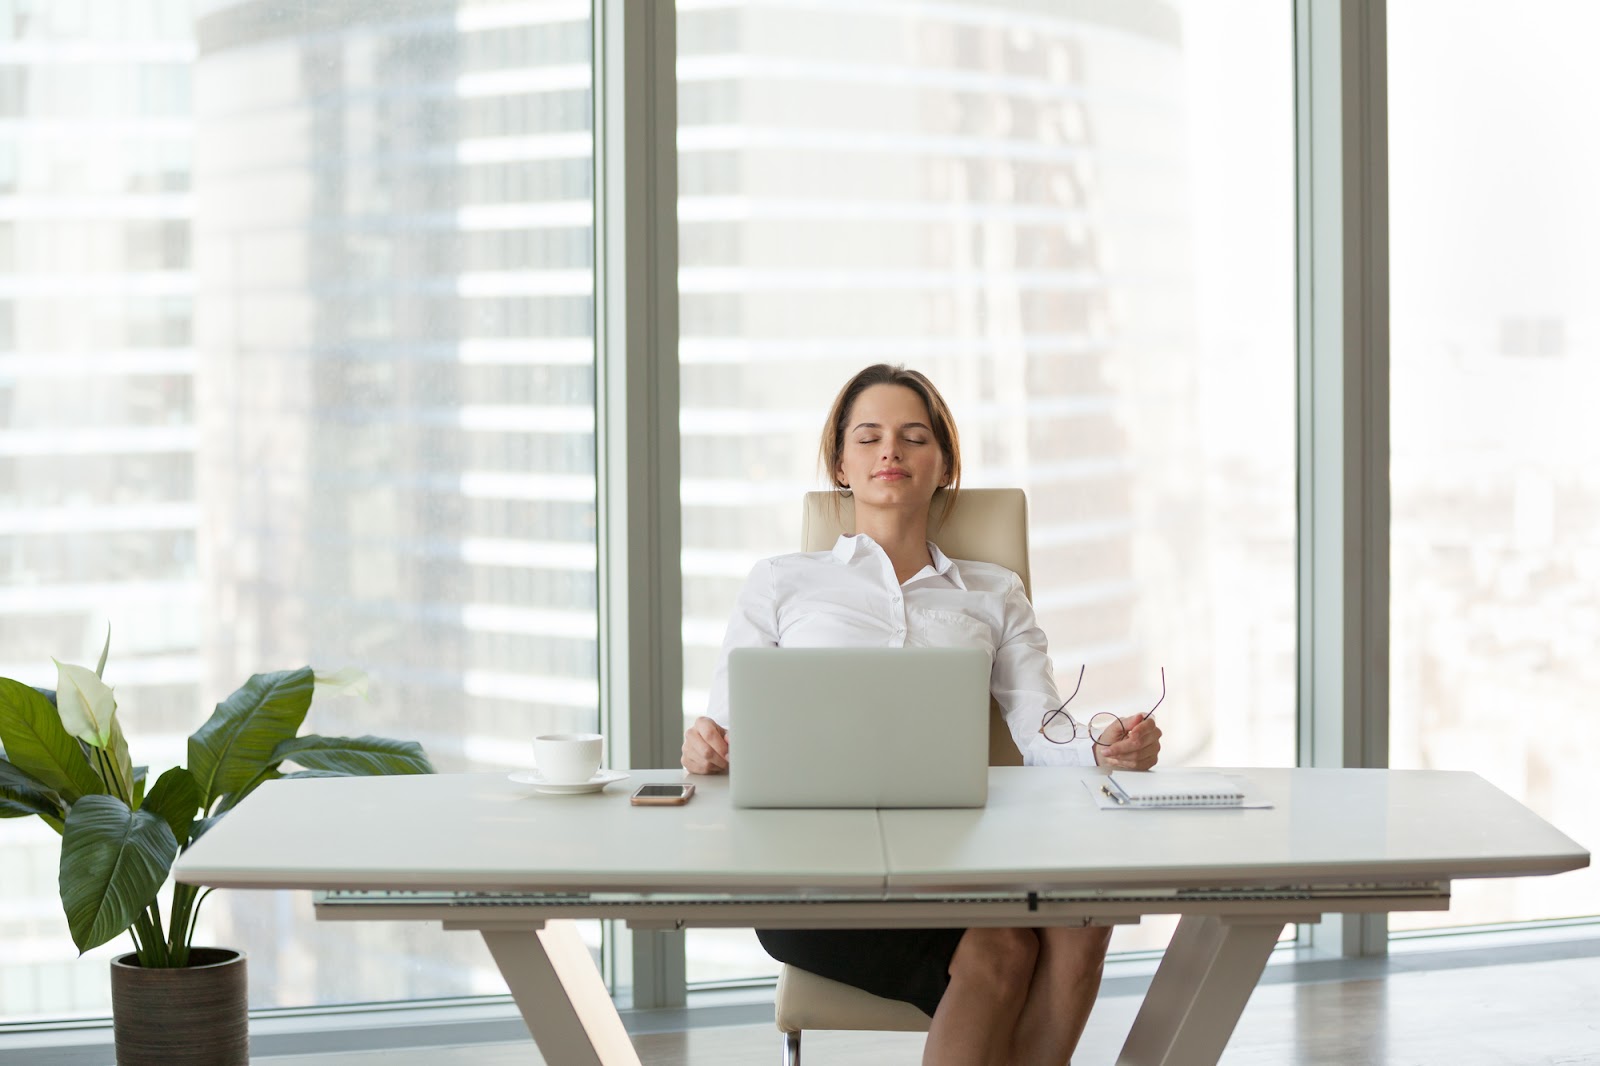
(858,727)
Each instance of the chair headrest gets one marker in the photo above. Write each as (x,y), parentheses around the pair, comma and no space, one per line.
(988,525)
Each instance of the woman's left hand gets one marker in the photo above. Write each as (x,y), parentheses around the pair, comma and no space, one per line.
(1134,744)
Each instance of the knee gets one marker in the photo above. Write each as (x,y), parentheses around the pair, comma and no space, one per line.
(1001,960)
(1079,950)
(1096,939)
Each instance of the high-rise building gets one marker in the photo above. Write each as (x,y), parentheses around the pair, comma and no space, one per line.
(98,509)
(393,238)
(968,191)
(996,194)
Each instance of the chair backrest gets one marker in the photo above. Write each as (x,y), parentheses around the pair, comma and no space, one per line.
(987,525)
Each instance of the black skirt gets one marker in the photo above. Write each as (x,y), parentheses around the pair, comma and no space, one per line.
(911,965)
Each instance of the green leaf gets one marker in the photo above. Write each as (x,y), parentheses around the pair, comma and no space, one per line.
(38,745)
(234,798)
(122,763)
(355,756)
(237,741)
(22,795)
(201,826)
(113,766)
(113,862)
(176,798)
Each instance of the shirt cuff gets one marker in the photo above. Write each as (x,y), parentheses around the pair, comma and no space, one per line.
(1041,752)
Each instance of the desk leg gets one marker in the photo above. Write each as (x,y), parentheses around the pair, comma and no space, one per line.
(561,996)
(1199,991)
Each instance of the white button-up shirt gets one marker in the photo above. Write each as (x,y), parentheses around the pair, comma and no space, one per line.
(849,598)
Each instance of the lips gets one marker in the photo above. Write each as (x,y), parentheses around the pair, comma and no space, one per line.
(892,473)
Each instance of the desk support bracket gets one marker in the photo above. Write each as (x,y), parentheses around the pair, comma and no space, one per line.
(1199,990)
(561,995)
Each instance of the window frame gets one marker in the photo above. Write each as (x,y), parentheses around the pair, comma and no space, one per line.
(639,532)
(1342,418)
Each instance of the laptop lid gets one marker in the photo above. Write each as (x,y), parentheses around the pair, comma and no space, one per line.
(858,727)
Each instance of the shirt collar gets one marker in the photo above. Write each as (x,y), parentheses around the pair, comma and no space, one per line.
(945,566)
(847,547)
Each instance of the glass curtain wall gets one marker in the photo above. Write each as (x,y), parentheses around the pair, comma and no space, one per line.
(1078,219)
(296,365)
(1495,363)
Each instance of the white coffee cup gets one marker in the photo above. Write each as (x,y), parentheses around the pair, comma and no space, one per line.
(568,758)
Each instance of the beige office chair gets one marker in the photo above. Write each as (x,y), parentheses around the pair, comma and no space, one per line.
(989,525)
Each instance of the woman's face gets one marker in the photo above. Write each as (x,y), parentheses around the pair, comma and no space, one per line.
(890,457)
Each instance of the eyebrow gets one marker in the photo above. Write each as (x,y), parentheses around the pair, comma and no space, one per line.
(876,425)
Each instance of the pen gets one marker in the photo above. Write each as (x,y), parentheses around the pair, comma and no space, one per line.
(1118,800)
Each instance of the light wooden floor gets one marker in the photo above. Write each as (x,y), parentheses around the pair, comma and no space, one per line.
(1543,1013)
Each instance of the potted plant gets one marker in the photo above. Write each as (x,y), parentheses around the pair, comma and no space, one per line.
(63,757)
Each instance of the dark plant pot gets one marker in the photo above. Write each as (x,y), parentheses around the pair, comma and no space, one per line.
(195,1015)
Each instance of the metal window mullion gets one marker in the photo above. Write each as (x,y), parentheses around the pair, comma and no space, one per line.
(636,396)
(1341,133)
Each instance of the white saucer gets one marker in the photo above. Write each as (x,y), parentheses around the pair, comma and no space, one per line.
(600,780)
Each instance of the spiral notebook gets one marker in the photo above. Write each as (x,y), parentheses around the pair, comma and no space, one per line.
(1164,788)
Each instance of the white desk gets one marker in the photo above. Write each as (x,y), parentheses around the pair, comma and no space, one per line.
(1038,854)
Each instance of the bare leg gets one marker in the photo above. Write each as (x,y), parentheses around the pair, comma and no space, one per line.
(1061,995)
(989,977)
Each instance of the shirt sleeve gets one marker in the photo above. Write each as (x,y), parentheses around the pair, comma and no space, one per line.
(1023,683)
(754,625)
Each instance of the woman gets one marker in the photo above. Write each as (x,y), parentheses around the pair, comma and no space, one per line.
(994,995)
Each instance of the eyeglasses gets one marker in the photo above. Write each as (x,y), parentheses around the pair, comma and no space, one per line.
(1059,727)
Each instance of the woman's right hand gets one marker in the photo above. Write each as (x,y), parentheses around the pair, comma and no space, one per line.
(705,748)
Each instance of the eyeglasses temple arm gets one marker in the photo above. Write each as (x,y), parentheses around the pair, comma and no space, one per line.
(1152,710)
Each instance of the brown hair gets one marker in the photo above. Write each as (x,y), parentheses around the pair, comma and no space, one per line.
(942,425)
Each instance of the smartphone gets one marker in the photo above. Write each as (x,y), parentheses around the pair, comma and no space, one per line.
(662,795)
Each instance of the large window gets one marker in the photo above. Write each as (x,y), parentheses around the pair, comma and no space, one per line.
(1079,221)
(296,365)
(1496,462)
